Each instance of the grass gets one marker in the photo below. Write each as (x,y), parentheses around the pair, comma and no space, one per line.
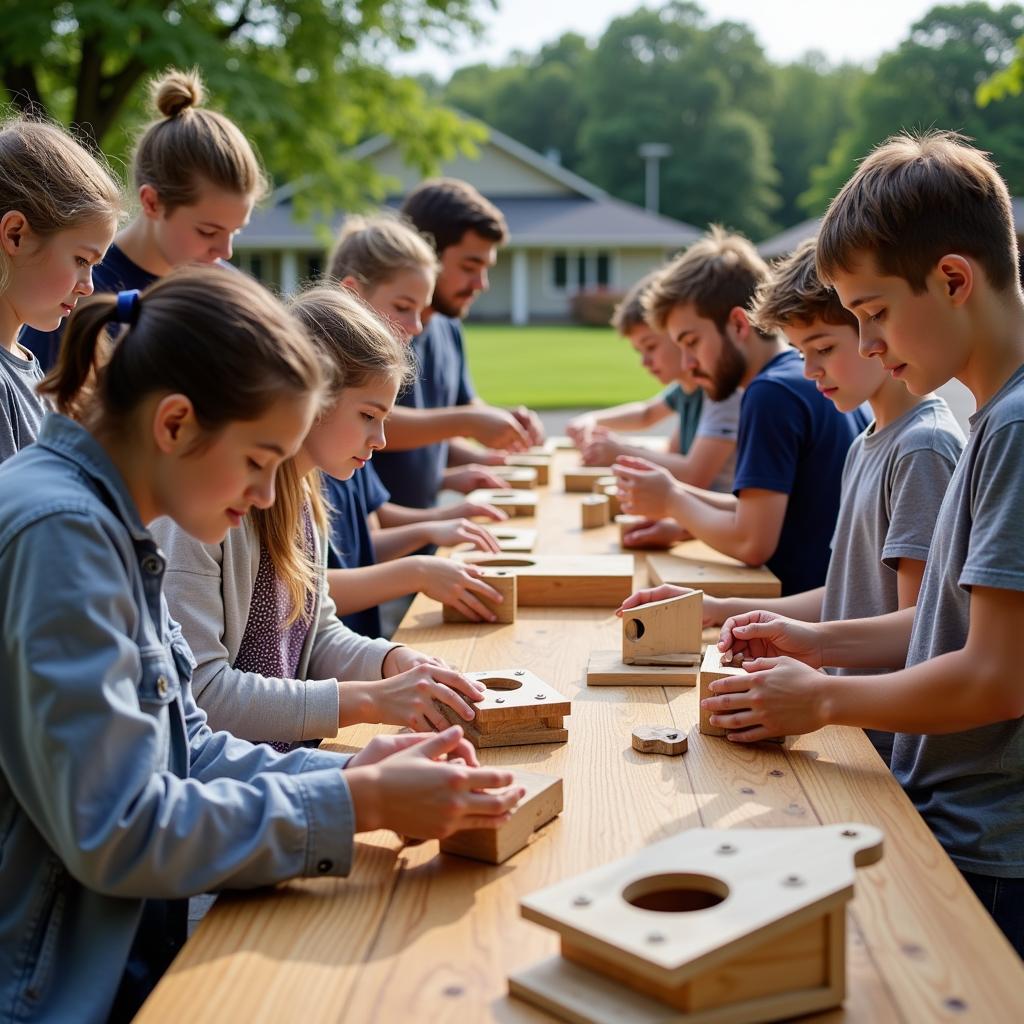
(554,367)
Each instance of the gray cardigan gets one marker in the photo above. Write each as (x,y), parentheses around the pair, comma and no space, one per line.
(209,590)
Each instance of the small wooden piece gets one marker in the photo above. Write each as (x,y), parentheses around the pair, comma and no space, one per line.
(659,739)
(512,502)
(607,486)
(540,462)
(712,669)
(594,511)
(716,574)
(627,524)
(519,478)
(581,479)
(505,583)
(513,538)
(706,927)
(542,803)
(565,581)
(560,443)
(519,708)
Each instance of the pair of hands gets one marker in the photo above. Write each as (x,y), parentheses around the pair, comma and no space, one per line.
(645,489)
(512,430)
(446,533)
(459,585)
(783,693)
(427,787)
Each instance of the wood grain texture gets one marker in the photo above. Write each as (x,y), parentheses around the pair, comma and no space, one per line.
(695,565)
(505,611)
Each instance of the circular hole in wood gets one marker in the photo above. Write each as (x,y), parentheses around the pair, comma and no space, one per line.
(634,629)
(675,893)
(501,683)
(495,563)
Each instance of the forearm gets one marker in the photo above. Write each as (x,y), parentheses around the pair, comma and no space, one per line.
(717,527)
(396,541)
(462,454)
(879,642)
(390,514)
(354,590)
(413,428)
(715,499)
(699,467)
(806,606)
(631,416)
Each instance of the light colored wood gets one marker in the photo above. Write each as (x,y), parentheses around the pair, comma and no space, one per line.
(542,802)
(504,582)
(711,670)
(582,478)
(611,491)
(537,461)
(654,633)
(511,538)
(512,502)
(659,739)
(714,573)
(606,668)
(520,478)
(594,511)
(574,581)
(627,524)
(560,443)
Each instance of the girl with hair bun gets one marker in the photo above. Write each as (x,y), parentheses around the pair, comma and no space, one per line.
(196,178)
(117,800)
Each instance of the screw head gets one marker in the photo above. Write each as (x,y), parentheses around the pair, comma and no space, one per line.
(792,881)
(499,700)
(726,848)
(540,696)
(519,672)
(747,790)
(672,736)
(955,1003)
(655,938)
(775,773)
(581,901)
(849,833)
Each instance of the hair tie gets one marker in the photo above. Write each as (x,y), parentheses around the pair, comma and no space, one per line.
(127,309)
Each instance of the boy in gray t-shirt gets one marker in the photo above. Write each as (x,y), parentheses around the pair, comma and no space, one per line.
(921,245)
(21,409)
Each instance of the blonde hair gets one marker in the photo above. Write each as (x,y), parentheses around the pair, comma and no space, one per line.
(795,295)
(187,146)
(374,249)
(717,273)
(629,313)
(354,346)
(916,198)
(53,181)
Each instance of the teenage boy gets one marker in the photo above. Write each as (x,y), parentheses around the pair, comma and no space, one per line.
(702,450)
(441,406)
(920,246)
(792,439)
(896,471)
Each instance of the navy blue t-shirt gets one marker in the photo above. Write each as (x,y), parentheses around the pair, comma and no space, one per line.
(114,273)
(793,440)
(350,545)
(442,379)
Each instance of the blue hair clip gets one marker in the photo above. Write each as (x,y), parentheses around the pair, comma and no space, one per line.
(128,303)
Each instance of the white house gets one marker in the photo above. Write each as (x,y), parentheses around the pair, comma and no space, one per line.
(565,233)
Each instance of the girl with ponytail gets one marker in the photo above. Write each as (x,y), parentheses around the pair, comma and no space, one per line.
(117,800)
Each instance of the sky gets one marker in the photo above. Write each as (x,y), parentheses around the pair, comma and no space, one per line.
(786,28)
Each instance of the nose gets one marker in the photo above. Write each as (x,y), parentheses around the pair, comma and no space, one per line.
(869,344)
(415,325)
(811,369)
(379,439)
(689,361)
(262,494)
(85,285)
(482,282)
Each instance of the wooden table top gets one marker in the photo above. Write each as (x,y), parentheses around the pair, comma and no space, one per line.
(413,934)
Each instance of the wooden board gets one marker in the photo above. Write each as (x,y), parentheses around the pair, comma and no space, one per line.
(505,583)
(711,670)
(540,463)
(659,739)
(714,573)
(512,538)
(664,632)
(606,668)
(512,502)
(627,524)
(572,581)
(582,478)
(519,478)
(594,511)
(542,802)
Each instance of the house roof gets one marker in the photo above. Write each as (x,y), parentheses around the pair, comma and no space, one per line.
(786,241)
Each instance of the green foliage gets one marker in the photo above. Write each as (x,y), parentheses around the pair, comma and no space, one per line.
(303,78)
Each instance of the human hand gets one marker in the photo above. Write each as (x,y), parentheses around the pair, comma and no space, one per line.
(401,658)
(446,533)
(470,478)
(498,428)
(644,488)
(384,746)
(417,793)
(762,634)
(710,605)
(530,422)
(475,509)
(579,428)
(772,697)
(461,586)
(411,698)
(658,534)
(602,448)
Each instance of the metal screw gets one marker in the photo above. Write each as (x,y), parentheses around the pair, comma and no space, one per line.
(793,881)
(655,937)
(726,848)
(849,833)
(581,901)
(519,672)
(673,736)
(454,990)
(540,696)
(776,774)
(748,790)
(955,1003)
(499,700)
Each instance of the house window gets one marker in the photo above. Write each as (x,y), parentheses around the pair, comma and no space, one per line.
(574,271)
(560,271)
(604,266)
(256,266)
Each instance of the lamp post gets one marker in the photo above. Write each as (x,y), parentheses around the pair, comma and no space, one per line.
(652,153)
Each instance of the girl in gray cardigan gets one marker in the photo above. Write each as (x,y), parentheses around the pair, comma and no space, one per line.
(273,662)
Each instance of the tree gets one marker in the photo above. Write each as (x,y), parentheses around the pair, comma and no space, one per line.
(303,78)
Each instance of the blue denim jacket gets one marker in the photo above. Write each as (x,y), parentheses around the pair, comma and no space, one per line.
(113,790)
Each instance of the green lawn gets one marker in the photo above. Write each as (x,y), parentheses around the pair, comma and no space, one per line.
(554,367)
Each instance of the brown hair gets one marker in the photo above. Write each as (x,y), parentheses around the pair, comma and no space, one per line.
(373,250)
(717,273)
(629,313)
(53,181)
(795,295)
(213,335)
(446,208)
(914,199)
(187,146)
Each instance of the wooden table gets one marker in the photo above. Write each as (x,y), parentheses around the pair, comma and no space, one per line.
(416,936)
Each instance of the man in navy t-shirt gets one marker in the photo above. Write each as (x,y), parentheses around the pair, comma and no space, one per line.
(792,441)
(424,452)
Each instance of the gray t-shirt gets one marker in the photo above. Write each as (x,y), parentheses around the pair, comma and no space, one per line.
(722,420)
(969,786)
(894,481)
(21,409)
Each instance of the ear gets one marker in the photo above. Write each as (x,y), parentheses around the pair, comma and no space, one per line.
(349,282)
(175,428)
(151,203)
(14,232)
(740,323)
(955,277)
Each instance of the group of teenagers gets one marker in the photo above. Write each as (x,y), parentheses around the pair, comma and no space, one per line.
(194,542)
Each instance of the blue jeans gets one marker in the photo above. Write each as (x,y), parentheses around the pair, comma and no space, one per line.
(1003,898)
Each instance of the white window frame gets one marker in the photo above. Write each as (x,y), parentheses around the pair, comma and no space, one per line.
(573,283)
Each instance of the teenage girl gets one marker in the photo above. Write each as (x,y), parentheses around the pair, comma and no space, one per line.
(117,802)
(272,660)
(58,213)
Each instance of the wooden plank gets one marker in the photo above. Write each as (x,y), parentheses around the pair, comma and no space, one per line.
(696,565)
(512,502)
(512,538)
(606,668)
(505,584)
(582,478)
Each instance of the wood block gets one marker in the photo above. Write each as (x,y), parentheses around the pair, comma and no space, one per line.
(513,538)
(712,669)
(519,478)
(542,803)
(627,524)
(612,492)
(582,478)
(594,511)
(659,739)
(560,443)
(512,502)
(716,574)
(606,668)
(519,708)
(540,463)
(564,581)
(505,583)
(661,630)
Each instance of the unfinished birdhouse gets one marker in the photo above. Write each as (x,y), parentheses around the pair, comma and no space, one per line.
(519,478)
(742,926)
(504,583)
(518,708)
(539,462)
(661,645)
